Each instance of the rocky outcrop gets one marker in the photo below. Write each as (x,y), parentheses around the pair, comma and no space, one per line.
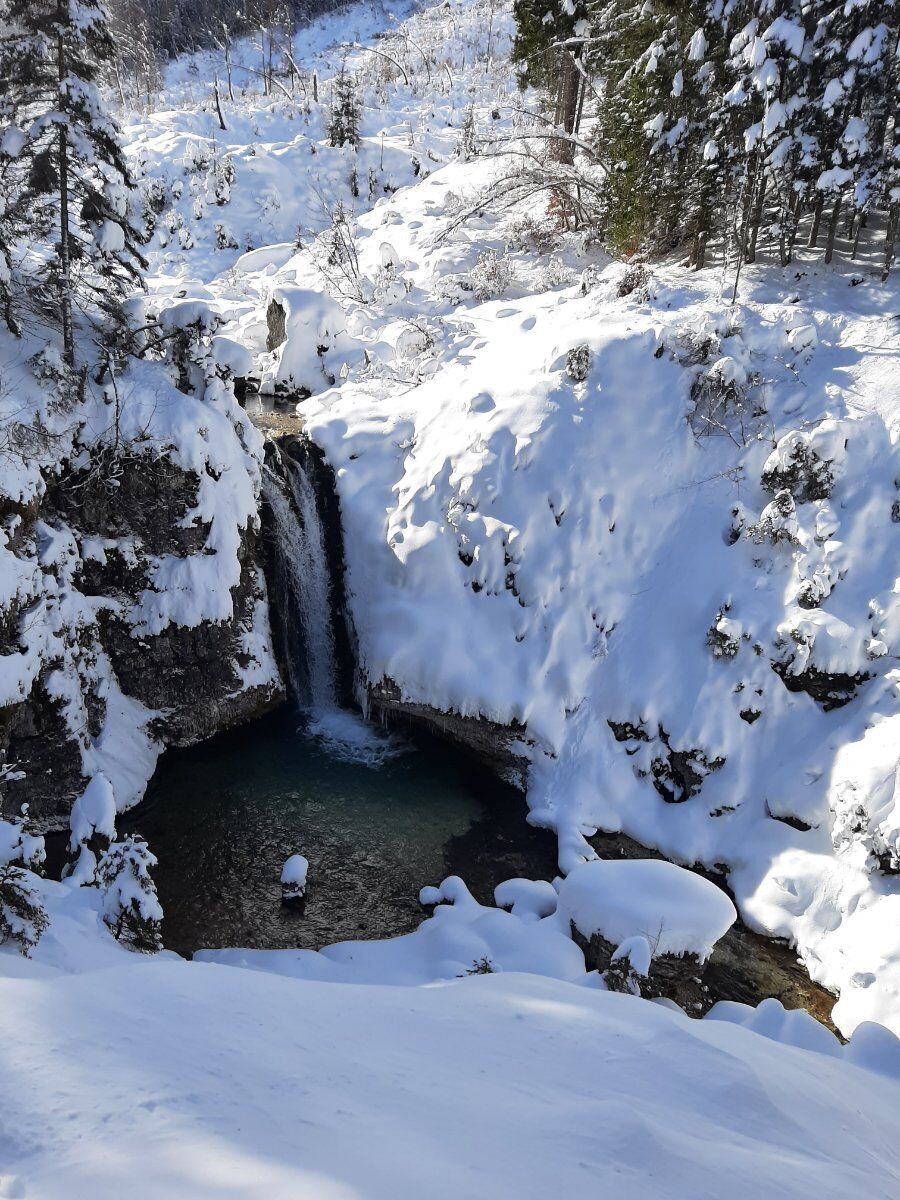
(500,749)
(744,966)
(104,527)
(677,977)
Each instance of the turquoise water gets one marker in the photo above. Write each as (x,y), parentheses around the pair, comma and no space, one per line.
(377,817)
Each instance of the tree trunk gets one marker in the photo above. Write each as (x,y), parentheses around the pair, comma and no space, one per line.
(789,229)
(832,230)
(889,239)
(860,225)
(756,219)
(567,97)
(222,124)
(65,266)
(698,250)
(817,220)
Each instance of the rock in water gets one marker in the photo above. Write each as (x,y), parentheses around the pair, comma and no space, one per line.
(293,879)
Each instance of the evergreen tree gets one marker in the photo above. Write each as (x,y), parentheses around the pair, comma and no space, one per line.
(856,107)
(548,48)
(130,906)
(63,177)
(343,128)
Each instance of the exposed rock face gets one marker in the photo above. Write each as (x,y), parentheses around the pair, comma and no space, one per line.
(192,680)
(743,966)
(677,977)
(276,320)
(499,748)
(830,689)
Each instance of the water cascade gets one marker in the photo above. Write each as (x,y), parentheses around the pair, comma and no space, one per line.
(303,587)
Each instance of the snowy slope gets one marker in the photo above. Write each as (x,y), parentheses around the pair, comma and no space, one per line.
(196,1080)
(558,553)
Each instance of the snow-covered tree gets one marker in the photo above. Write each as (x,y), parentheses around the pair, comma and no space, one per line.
(131,908)
(547,49)
(92,824)
(22,915)
(343,126)
(742,119)
(64,182)
(22,855)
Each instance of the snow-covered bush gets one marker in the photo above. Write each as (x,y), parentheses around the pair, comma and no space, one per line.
(578,363)
(22,916)
(777,522)
(19,846)
(527,232)
(629,966)
(130,906)
(225,239)
(721,401)
(633,280)
(724,636)
(554,274)
(795,466)
(481,966)
(468,144)
(492,275)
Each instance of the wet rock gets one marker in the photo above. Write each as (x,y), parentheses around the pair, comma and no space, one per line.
(744,965)
(675,977)
(276,322)
(498,748)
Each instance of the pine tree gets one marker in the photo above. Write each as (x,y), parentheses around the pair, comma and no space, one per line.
(343,128)
(64,180)
(130,906)
(857,111)
(548,48)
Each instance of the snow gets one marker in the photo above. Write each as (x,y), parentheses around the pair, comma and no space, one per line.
(638,952)
(93,812)
(200,1079)
(677,911)
(293,876)
(529,899)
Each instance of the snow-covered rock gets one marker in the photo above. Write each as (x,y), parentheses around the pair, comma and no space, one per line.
(677,911)
(293,877)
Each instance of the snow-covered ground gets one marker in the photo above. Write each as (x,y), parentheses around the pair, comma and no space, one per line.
(359,1074)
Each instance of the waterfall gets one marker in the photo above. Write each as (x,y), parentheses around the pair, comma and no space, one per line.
(304,585)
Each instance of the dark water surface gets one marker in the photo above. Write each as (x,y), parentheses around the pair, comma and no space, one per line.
(376,817)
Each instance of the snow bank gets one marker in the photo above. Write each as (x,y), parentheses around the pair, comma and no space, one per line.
(462,938)
(504,1085)
(677,911)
